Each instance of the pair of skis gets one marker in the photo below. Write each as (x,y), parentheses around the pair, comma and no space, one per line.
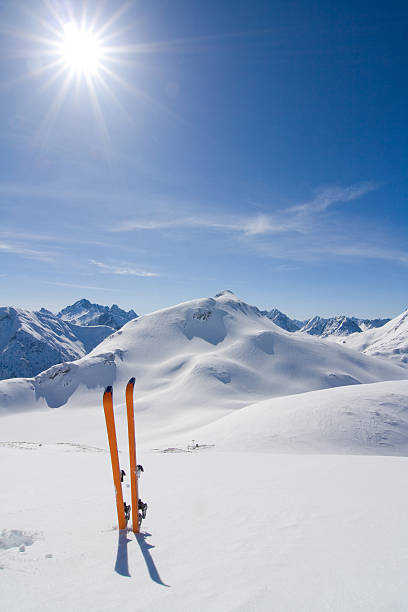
(113,447)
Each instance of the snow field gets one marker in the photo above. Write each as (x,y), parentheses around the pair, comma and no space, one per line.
(227,531)
(359,419)
(278,509)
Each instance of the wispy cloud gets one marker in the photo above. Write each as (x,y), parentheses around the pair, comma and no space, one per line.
(56,238)
(121,270)
(259,224)
(326,248)
(367,251)
(302,232)
(75,286)
(27,253)
(332,195)
(297,218)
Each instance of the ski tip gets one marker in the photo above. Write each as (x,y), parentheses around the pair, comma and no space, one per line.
(109,389)
(132,381)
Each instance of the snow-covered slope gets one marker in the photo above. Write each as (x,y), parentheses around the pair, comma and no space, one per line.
(388,342)
(365,324)
(83,312)
(231,527)
(31,342)
(363,419)
(198,359)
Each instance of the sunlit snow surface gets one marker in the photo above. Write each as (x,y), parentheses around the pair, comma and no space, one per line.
(30,342)
(289,503)
(389,341)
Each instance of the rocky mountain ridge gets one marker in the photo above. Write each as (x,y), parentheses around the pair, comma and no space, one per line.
(83,312)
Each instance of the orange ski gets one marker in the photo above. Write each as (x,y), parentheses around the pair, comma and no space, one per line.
(113,447)
(132,455)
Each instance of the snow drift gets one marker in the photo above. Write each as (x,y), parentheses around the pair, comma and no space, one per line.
(364,419)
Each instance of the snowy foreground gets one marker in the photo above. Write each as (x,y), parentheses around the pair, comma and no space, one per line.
(226,529)
(295,500)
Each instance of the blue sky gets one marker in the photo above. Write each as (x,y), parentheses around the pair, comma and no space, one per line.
(257,146)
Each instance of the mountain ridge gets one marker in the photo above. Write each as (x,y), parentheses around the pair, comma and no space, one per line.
(339,325)
(218,353)
(31,342)
(84,312)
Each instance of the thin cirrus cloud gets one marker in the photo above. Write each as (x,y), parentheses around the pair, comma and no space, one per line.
(372,252)
(259,224)
(122,270)
(300,251)
(296,218)
(298,228)
(78,286)
(6,247)
(332,195)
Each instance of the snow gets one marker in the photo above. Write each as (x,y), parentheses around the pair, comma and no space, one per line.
(335,326)
(325,328)
(217,352)
(295,498)
(282,320)
(225,530)
(387,342)
(363,419)
(83,312)
(30,342)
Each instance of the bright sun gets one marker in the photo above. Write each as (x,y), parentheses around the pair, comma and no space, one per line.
(75,52)
(80,50)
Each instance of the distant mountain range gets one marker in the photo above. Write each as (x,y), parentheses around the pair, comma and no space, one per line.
(282,320)
(31,342)
(83,312)
(318,326)
(384,338)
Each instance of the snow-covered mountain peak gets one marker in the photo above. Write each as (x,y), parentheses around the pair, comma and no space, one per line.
(282,320)
(226,292)
(387,341)
(201,356)
(83,312)
(334,326)
(400,322)
(31,342)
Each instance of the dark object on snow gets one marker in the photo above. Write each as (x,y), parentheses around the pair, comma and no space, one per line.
(127,510)
(143,507)
(122,475)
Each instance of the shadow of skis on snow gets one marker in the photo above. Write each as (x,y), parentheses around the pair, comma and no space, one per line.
(145,548)
(122,561)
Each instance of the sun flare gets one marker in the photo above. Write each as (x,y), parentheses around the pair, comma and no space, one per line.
(86,55)
(79,55)
(81,51)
